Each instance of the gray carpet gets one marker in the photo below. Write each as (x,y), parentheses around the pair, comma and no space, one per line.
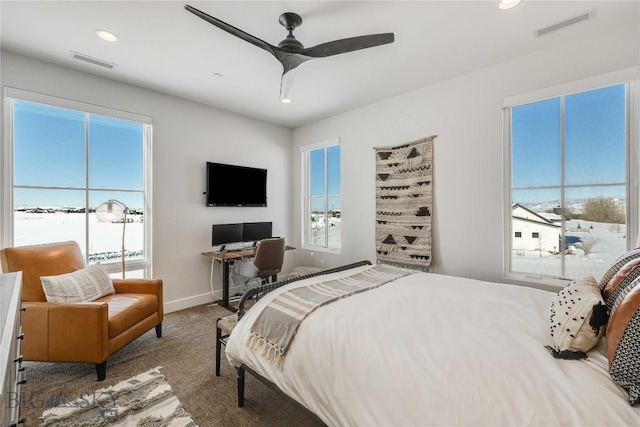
(186,353)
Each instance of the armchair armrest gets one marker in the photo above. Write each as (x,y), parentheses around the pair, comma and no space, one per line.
(138,286)
(141,286)
(65,332)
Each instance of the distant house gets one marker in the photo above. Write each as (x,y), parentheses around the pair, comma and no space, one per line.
(533,232)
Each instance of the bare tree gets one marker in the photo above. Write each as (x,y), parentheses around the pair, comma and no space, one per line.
(615,228)
(315,235)
(587,244)
(569,213)
(603,209)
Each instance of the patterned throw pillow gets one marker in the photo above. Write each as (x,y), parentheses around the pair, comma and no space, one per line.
(617,264)
(623,345)
(87,284)
(578,319)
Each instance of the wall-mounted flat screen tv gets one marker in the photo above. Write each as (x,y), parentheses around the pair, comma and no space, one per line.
(232,185)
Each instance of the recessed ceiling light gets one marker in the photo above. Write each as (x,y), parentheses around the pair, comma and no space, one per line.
(285,101)
(508,4)
(106,35)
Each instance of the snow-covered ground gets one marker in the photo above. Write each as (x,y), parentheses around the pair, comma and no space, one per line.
(105,241)
(318,229)
(611,243)
(105,238)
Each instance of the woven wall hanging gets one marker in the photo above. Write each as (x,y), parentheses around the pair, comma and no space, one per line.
(404,203)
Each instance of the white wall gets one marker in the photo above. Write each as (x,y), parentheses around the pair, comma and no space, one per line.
(465,113)
(185,136)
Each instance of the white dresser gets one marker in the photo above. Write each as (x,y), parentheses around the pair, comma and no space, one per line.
(11,370)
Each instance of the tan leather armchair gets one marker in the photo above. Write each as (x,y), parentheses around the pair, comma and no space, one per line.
(87,332)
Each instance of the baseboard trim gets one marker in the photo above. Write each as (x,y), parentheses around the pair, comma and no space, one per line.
(188,302)
(184,303)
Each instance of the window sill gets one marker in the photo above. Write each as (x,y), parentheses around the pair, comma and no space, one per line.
(116,267)
(537,281)
(335,251)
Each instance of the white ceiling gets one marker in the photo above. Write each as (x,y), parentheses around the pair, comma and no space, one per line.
(163,47)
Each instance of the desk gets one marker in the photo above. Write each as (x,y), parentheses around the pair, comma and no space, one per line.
(227,258)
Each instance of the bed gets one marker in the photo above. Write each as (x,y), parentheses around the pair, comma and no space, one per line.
(429,349)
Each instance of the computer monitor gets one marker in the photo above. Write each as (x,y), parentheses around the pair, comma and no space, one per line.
(221,234)
(256,231)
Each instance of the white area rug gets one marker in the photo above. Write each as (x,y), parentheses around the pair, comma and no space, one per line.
(144,400)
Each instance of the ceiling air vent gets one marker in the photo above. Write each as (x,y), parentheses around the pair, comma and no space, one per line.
(91,60)
(564,24)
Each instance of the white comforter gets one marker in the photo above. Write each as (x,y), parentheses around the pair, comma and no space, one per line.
(430,349)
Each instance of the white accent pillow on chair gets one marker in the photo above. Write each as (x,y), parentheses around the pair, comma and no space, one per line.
(87,284)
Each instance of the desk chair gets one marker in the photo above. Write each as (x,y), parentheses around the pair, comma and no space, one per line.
(269,258)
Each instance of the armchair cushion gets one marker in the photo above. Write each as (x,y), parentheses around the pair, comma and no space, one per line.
(125,310)
(87,284)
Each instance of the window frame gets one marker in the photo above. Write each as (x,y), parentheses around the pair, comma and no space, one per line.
(10,95)
(305,195)
(628,76)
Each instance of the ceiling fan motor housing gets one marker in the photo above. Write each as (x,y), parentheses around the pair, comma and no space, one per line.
(291,43)
(290,21)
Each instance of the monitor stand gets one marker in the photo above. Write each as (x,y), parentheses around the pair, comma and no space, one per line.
(255,243)
(222,248)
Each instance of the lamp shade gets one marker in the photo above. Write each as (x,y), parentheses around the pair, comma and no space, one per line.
(111,211)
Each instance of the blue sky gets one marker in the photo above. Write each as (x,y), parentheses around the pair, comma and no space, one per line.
(317,163)
(50,151)
(594,146)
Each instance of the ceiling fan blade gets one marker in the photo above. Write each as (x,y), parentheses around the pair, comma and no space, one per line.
(337,47)
(232,30)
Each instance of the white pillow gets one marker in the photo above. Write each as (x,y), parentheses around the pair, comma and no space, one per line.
(87,284)
(578,319)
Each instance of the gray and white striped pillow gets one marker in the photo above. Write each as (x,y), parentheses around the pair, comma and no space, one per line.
(87,284)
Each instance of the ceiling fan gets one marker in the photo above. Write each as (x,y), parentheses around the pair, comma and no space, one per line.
(290,52)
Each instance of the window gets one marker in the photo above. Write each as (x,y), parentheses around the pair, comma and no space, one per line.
(322,210)
(569,172)
(66,162)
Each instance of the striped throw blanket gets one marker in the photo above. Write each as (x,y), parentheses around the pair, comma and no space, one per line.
(274,328)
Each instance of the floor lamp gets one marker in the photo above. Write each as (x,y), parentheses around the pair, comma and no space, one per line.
(114,211)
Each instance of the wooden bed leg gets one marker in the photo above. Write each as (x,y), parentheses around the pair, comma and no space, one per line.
(240,375)
(218,349)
